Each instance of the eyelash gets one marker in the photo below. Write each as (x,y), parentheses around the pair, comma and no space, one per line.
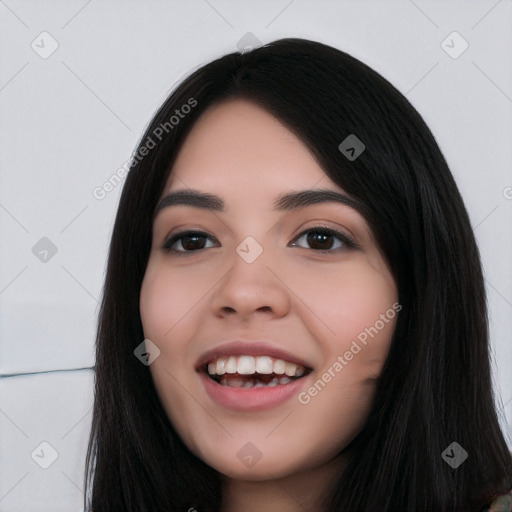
(347,242)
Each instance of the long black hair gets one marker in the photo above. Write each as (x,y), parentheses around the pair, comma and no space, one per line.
(435,387)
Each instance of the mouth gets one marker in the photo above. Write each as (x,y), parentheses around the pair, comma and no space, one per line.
(247,371)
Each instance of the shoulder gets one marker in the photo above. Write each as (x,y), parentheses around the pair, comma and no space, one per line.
(502,503)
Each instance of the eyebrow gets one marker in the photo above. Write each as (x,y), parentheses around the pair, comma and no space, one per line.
(284,202)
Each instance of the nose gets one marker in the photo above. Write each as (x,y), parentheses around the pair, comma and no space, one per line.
(250,289)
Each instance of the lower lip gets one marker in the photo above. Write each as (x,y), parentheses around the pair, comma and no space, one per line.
(251,399)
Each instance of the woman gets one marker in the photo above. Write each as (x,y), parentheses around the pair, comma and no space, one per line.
(295,270)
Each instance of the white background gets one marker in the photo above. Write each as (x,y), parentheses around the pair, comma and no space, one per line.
(70,120)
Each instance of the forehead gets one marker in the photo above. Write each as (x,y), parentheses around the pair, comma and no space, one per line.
(240,144)
(240,160)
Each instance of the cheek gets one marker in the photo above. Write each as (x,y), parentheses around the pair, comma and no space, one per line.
(349,302)
(157,305)
(164,303)
(166,297)
(168,317)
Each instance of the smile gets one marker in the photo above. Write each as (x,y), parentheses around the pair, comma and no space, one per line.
(244,371)
(248,383)
(250,376)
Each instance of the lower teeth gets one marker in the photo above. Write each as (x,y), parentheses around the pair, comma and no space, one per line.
(253,383)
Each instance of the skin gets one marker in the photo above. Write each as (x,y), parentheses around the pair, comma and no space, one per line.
(309,303)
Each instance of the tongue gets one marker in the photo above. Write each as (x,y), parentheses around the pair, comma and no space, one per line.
(247,381)
(265,379)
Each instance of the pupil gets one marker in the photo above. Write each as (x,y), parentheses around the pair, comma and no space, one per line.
(192,245)
(315,235)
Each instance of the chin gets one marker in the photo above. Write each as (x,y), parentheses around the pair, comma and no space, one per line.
(260,471)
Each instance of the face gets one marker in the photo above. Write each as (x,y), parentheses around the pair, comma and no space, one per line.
(272,323)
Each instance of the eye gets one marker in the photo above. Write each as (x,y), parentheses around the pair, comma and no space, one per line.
(190,241)
(321,239)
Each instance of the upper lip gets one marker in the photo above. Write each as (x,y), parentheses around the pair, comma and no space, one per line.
(249,348)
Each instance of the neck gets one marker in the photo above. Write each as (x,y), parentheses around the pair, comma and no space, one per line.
(299,492)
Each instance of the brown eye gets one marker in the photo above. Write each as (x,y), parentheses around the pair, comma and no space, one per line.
(322,240)
(190,241)
(319,239)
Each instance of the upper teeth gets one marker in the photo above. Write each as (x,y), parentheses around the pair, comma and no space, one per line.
(247,365)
